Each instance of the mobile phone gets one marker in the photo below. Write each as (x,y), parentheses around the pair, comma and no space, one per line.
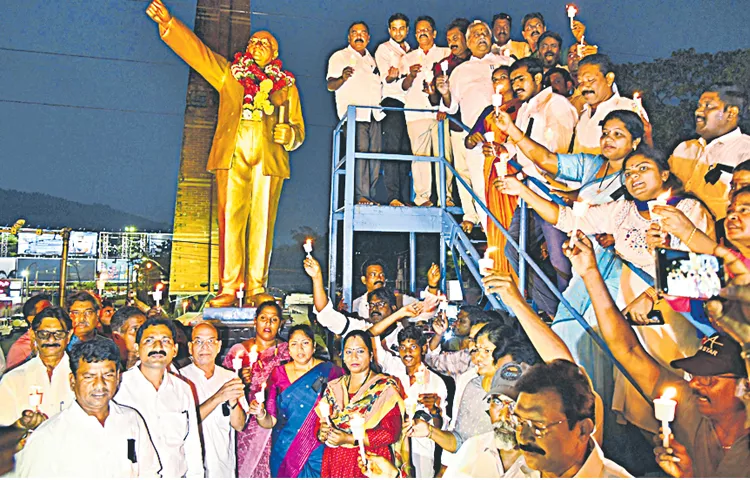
(655,317)
(686,274)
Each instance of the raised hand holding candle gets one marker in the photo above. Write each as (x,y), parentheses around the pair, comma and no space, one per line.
(325,410)
(35,397)
(572,10)
(260,395)
(357,424)
(308,247)
(579,211)
(487,263)
(664,410)
(157,294)
(241,294)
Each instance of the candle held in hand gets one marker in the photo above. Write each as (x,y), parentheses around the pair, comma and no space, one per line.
(579,211)
(308,247)
(444,67)
(282,113)
(260,395)
(35,397)
(501,167)
(253,355)
(487,263)
(571,10)
(357,424)
(237,362)
(157,294)
(489,137)
(660,201)
(325,410)
(664,410)
(241,294)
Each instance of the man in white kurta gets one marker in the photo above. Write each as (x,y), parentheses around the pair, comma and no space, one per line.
(165,401)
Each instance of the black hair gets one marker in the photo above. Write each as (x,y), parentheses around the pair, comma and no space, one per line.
(600,60)
(530,16)
(122,315)
(425,18)
(632,121)
(383,293)
(271,304)
(108,303)
(502,67)
(29,308)
(745,189)
(501,16)
(657,156)
(398,16)
(94,351)
(550,34)
(509,340)
(52,312)
(155,321)
(412,332)
(479,315)
(367,340)
(533,65)
(460,23)
(304,328)
(568,381)
(82,296)
(743,166)
(731,94)
(547,77)
(369,263)
(359,22)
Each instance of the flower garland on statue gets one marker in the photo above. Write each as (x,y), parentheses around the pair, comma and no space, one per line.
(259,83)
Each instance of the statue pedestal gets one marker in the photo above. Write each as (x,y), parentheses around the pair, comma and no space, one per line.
(230,315)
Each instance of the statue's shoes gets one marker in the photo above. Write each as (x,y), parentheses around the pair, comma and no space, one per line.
(223,300)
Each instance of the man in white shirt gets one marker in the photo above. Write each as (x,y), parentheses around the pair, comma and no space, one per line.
(503,45)
(549,119)
(395,139)
(554,418)
(596,82)
(705,164)
(219,393)
(353,75)
(470,89)
(42,384)
(165,401)
(422,126)
(93,437)
(532,28)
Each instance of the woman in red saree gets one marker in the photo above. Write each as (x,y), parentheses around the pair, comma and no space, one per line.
(501,205)
(254,442)
(362,392)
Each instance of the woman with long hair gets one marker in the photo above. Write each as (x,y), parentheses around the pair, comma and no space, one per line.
(254,442)
(366,393)
(294,390)
(646,176)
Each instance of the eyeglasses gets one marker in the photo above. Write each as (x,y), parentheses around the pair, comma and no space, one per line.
(538,429)
(378,304)
(505,403)
(47,334)
(90,313)
(199,342)
(707,381)
(163,341)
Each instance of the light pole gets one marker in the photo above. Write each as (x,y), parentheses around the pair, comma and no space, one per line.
(24,285)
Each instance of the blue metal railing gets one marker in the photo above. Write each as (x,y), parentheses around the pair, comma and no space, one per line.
(520,246)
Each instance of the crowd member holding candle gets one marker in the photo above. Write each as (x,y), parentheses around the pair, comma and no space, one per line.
(395,138)
(125,324)
(470,89)
(365,392)
(503,44)
(710,436)
(293,391)
(21,349)
(220,396)
(705,164)
(416,67)
(47,373)
(502,206)
(646,175)
(254,441)
(93,437)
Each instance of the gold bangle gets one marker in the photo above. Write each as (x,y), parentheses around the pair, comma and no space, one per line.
(651,293)
(429,431)
(687,242)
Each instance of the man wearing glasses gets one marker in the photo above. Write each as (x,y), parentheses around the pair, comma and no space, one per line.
(218,392)
(39,388)
(84,312)
(554,422)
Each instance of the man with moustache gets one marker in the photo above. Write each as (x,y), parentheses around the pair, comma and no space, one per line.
(395,139)
(416,66)
(532,28)
(20,351)
(470,89)
(353,76)
(503,44)
(219,394)
(47,374)
(125,324)
(596,82)
(165,401)
(550,50)
(705,164)
(554,421)
(373,276)
(93,436)
(84,312)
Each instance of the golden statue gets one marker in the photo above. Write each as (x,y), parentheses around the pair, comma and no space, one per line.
(249,155)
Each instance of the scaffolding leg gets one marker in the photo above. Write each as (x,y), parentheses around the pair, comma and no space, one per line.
(348,253)
(413,262)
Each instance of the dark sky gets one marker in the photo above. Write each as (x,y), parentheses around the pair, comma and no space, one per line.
(92,102)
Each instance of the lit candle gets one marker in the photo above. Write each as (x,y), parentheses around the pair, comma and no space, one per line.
(572,11)
(357,424)
(411,406)
(579,47)
(489,137)
(308,247)
(664,410)
(444,67)
(237,362)
(260,395)
(325,410)
(579,211)
(501,167)
(660,201)
(253,355)
(282,111)
(487,263)
(241,294)
(497,100)
(35,397)
(158,294)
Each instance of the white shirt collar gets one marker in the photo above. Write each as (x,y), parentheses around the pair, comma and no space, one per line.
(396,45)
(351,50)
(736,133)
(615,96)
(593,467)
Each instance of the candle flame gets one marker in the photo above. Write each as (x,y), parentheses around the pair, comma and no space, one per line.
(242,286)
(572,9)
(263,386)
(239,354)
(159,286)
(636,95)
(308,241)
(669,393)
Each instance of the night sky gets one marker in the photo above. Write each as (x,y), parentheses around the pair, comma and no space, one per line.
(92,102)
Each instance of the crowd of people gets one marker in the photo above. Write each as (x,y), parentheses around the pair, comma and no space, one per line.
(421,387)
